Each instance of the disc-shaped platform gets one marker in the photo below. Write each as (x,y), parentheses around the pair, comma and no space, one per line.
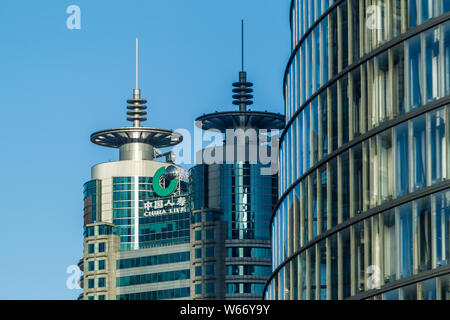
(115,138)
(242,119)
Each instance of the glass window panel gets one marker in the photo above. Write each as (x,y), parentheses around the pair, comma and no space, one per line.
(398,79)
(333,187)
(357,182)
(386,163)
(409,292)
(344,109)
(355,28)
(323,198)
(412,10)
(324,123)
(358,251)
(419,164)
(428,289)
(324,50)
(307,138)
(345,262)
(437,146)
(444,287)
(446,54)
(344,35)
(356,102)
(423,233)
(312,272)
(405,240)
(441,212)
(309,65)
(313,179)
(316,58)
(432,64)
(315,130)
(401,159)
(334,269)
(334,117)
(389,246)
(414,72)
(322,270)
(304,186)
(391,295)
(333,42)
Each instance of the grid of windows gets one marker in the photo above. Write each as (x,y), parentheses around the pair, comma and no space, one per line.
(341,37)
(242,288)
(165,228)
(98,230)
(156,230)
(152,278)
(123,208)
(157,295)
(400,243)
(365,154)
(247,198)
(405,158)
(431,289)
(249,252)
(249,270)
(90,190)
(153,260)
(394,82)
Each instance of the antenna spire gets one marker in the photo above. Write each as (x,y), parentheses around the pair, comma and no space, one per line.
(242,90)
(137,63)
(242,44)
(136,105)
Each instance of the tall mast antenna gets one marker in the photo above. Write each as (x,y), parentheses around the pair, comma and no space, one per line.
(137,62)
(242,43)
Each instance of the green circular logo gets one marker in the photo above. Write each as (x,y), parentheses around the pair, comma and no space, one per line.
(160,191)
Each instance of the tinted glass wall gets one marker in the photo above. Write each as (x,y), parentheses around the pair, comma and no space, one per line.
(364,158)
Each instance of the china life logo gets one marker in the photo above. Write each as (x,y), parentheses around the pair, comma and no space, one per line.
(171,175)
(174,204)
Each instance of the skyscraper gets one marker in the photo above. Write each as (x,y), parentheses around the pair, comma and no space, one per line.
(231,200)
(364,209)
(136,222)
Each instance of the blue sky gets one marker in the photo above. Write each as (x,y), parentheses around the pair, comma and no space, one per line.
(57,86)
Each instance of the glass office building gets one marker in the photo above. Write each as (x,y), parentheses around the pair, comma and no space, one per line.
(136,217)
(364,208)
(232,202)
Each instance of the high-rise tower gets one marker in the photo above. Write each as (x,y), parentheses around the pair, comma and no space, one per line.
(232,203)
(136,223)
(364,209)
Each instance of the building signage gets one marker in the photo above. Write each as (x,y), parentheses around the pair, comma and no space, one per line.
(160,191)
(158,207)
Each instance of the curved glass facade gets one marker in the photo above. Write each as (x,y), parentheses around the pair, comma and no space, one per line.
(364,159)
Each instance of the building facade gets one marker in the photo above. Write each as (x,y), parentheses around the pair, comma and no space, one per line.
(136,217)
(364,209)
(232,200)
